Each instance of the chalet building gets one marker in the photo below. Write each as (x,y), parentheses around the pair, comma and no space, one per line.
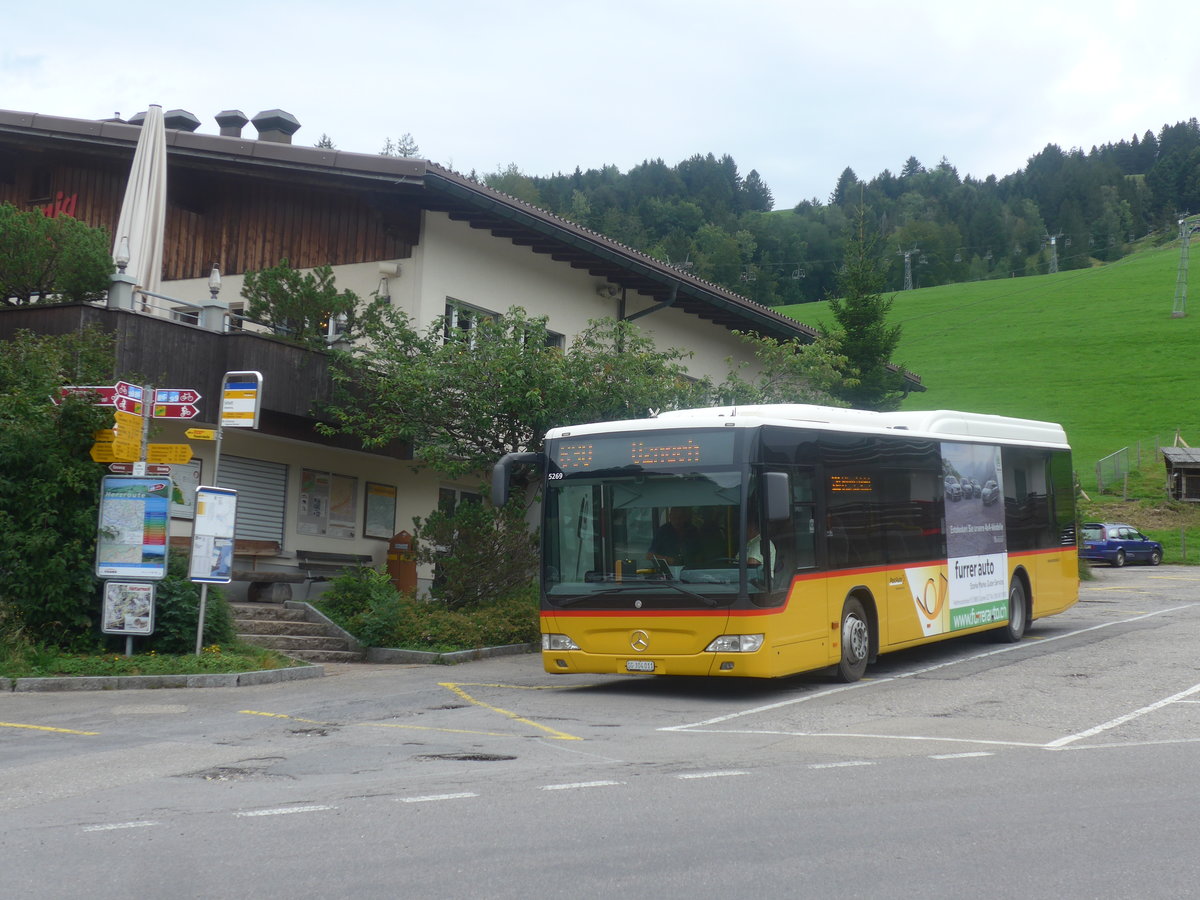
(432,241)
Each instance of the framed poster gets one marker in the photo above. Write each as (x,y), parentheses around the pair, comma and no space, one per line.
(212,535)
(186,478)
(379,515)
(128,608)
(313,514)
(343,507)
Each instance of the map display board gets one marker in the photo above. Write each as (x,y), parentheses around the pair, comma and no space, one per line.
(131,540)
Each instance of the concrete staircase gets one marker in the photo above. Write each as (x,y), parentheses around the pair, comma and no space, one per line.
(296,630)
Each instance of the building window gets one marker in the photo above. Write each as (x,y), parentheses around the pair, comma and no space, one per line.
(461,321)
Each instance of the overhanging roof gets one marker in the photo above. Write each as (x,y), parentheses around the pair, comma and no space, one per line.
(434,188)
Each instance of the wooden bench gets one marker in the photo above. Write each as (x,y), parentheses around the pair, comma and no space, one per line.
(264,585)
(321,566)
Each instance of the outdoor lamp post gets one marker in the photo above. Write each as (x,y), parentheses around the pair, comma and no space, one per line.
(213,315)
(120,289)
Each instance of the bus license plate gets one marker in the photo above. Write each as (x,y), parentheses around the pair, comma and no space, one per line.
(639,665)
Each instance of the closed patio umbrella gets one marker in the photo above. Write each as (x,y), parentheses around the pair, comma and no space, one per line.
(140,228)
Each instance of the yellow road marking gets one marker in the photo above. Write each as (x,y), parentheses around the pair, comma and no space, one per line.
(556,735)
(45,728)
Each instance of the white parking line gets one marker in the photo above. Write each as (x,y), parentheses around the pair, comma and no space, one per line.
(116,826)
(1121,720)
(961,755)
(688,775)
(850,763)
(466,795)
(870,682)
(281,811)
(579,784)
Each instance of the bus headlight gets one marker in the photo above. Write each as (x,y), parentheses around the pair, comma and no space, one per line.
(735,643)
(558,642)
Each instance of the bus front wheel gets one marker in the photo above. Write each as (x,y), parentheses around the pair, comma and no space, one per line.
(856,641)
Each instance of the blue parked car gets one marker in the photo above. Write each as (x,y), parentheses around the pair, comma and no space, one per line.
(1117,544)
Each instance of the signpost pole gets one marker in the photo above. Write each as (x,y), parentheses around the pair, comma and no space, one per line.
(204,584)
(241,404)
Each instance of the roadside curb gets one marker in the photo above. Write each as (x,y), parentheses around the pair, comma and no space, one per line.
(156,682)
(385,655)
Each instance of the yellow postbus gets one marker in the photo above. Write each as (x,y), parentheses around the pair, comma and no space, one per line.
(762,541)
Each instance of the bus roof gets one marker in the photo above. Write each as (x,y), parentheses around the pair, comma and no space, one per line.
(938,423)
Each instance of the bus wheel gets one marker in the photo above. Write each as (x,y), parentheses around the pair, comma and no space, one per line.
(856,641)
(1018,615)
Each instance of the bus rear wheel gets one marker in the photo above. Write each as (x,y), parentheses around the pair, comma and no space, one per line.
(856,641)
(1018,615)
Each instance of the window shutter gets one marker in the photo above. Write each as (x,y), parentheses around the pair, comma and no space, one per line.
(262,496)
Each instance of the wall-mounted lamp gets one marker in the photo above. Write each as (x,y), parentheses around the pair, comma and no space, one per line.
(387,270)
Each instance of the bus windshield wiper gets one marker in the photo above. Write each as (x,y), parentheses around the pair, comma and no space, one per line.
(581,598)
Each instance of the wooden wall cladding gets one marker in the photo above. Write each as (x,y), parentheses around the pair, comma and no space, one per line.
(242,224)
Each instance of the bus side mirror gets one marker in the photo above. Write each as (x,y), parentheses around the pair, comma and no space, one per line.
(778,496)
(502,473)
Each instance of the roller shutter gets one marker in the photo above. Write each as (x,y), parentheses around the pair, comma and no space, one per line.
(262,496)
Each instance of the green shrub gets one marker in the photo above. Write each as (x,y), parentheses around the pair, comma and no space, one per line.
(49,486)
(177,607)
(480,552)
(394,620)
(355,591)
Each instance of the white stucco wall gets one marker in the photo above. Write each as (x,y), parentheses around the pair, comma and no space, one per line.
(454,260)
(451,260)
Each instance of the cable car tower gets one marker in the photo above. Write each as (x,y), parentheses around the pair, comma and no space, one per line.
(1186,227)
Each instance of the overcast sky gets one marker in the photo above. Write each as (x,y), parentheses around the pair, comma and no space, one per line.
(794,89)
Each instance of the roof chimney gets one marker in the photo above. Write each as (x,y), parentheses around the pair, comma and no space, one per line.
(231,121)
(180,119)
(276,125)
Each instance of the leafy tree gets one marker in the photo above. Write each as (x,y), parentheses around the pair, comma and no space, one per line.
(788,372)
(494,387)
(512,181)
(300,305)
(49,485)
(49,259)
(860,312)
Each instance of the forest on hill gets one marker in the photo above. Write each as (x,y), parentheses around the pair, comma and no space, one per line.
(1064,210)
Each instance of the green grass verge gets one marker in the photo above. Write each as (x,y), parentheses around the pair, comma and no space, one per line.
(36,662)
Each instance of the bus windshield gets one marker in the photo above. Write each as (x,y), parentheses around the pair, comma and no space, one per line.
(674,534)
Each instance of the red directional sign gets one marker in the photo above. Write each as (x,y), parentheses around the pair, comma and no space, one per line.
(128,468)
(132,391)
(98,394)
(175,411)
(129,405)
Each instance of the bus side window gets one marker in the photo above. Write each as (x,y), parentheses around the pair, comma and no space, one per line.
(804,521)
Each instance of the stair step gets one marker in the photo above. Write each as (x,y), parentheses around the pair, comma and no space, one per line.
(280,626)
(273,611)
(286,642)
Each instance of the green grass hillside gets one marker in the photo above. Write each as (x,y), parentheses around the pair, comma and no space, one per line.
(1096,350)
